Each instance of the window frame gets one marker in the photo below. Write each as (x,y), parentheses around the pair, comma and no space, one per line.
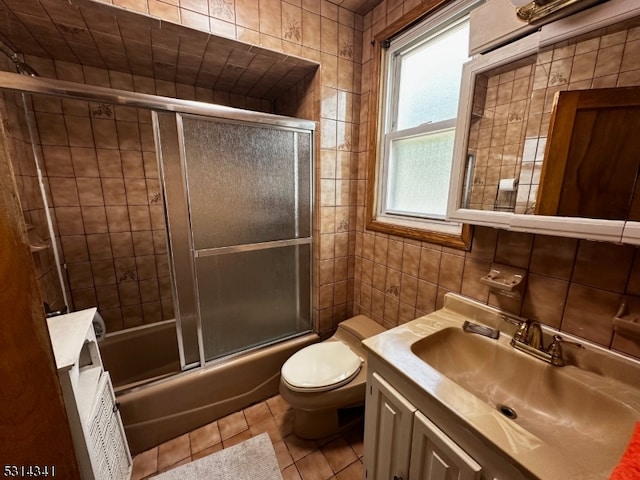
(405,31)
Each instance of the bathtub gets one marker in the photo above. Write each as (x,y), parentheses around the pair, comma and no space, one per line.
(164,409)
(140,354)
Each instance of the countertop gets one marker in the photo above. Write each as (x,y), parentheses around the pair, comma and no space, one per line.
(530,453)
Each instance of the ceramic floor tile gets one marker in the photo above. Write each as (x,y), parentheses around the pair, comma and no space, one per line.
(204,437)
(145,464)
(354,437)
(299,447)
(282,454)
(207,451)
(314,467)
(331,458)
(241,437)
(339,454)
(173,451)
(257,413)
(355,471)
(232,425)
(269,426)
(176,465)
(277,405)
(291,473)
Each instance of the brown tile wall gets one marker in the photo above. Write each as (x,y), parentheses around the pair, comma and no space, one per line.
(391,278)
(102,178)
(574,285)
(316,30)
(16,133)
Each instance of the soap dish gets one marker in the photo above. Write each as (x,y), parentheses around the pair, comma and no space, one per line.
(627,320)
(505,280)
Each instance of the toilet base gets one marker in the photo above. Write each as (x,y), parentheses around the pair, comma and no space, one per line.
(316,424)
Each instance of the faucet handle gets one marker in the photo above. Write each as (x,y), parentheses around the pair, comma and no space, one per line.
(523,331)
(555,350)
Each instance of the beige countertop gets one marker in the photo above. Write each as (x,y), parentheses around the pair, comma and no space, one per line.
(536,457)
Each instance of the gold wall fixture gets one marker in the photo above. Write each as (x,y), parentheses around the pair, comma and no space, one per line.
(538,9)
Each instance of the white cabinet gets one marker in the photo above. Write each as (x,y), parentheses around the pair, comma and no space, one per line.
(494,24)
(434,456)
(402,443)
(98,434)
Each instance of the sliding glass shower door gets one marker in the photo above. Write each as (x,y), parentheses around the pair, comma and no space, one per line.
(238,197)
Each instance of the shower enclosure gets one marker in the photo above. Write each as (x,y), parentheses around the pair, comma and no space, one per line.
(238,201)
(235,194)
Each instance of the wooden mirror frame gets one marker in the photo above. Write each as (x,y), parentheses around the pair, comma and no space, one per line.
(572,176)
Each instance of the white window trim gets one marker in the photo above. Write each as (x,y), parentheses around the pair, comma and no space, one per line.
(448,16)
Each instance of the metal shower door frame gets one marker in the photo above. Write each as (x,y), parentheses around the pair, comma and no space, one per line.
(170,148)
(158,105)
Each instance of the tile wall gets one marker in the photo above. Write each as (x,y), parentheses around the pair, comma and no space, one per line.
(101,171)
(103,181)
(19,149)
(574,285)
(319,31)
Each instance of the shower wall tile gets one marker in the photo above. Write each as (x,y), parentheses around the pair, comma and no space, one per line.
(21,155)
(106,197)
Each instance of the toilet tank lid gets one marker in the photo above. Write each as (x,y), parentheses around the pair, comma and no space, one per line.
(321,364)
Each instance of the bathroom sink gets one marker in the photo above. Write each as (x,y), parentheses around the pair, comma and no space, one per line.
(564,410)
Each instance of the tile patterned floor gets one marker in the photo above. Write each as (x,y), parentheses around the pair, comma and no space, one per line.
(334,458)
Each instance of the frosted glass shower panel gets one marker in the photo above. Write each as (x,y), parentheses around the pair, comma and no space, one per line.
(253,297)
(245,182)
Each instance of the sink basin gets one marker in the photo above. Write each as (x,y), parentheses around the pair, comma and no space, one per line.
(564,410)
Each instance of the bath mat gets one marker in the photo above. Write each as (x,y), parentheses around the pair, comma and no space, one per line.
(253,459)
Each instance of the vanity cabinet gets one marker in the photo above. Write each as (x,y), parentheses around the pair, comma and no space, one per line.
(96,427)
(402,443)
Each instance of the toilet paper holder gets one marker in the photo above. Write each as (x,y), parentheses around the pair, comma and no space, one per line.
(505,280)
(506,195)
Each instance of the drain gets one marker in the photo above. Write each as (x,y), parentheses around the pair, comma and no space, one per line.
(507,411)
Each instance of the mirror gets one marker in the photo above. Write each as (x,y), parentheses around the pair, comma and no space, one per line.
(544,122)
(591,161)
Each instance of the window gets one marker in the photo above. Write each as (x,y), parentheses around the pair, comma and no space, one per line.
(419,85)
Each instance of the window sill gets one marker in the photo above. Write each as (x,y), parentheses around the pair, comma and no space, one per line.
(460,241)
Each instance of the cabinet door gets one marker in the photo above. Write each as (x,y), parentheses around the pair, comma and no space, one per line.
(434,456)
(388,425)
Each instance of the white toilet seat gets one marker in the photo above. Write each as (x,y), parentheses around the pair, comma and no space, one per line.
(321,367)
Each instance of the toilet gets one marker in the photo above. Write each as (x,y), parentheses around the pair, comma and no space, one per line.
(325,383)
